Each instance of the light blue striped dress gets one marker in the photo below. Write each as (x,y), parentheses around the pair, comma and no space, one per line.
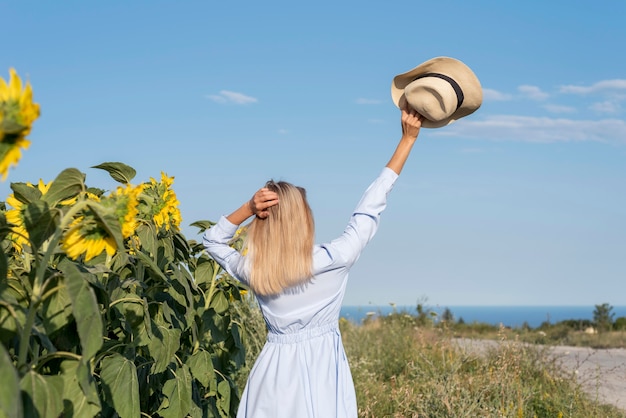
(302,371)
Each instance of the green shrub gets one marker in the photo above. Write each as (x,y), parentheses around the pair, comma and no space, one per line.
(620,324)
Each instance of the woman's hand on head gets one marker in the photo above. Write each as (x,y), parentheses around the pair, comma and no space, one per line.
(262,200)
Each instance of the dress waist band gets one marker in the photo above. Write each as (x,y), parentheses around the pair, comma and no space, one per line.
(302,335)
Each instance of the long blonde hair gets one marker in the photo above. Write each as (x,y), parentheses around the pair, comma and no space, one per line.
(280,246)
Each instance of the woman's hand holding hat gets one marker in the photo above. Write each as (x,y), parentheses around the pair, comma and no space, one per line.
(411,123)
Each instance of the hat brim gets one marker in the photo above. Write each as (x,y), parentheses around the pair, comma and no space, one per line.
(453,68)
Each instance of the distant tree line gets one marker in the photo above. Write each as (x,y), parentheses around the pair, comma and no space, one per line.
(603,319)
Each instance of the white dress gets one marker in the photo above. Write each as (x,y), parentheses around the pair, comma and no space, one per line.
(302,371)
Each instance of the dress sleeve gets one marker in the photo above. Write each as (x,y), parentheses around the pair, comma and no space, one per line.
(364,221)
(216,240)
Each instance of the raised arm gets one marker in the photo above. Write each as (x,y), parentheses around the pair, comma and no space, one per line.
(411,124)
(258,205)
(216,239)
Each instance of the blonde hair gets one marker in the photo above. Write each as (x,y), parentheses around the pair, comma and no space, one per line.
(280,246)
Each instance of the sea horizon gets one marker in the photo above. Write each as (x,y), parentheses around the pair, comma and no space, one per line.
(507,315)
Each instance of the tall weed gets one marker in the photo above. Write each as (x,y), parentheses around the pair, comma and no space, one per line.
(401,369)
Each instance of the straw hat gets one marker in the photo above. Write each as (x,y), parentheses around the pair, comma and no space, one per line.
(441,89)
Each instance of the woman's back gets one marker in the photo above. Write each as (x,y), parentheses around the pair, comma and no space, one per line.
(302,370)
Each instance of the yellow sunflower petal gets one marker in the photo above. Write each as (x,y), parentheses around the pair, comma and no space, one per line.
(15,85)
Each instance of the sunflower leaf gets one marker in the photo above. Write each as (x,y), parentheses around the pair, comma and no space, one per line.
(119,380)
(9,391)
(85,310)
(120,172)
(178,393)
(41,398)
(65,186)
(110,222)
(203,225)
(80,393)
(25,193)
(4,226)
(39,221)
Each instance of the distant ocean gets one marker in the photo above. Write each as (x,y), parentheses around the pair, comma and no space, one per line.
(512,316)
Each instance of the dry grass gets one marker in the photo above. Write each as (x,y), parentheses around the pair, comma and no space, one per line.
(401,369)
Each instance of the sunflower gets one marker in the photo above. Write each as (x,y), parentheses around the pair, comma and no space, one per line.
(19,235)
(87,236)
(165,212)
(10,154)
(17,114)
(126,200)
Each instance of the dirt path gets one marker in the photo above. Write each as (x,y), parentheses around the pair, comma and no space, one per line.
(601,372)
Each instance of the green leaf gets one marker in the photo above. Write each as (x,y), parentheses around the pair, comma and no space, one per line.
(39,221)
(11,321)
(203,225)
(163,347)
(4,267)
(41,398)
(68,184)
(25,193)
(132,309)
(219,302)
(56,309)
(237,349)
(4,225)
(110,222)
(119,380)
(81,400)
(181,247)
(84,308)
(148,237)
(120,172)
(204,270)
(85,379)
(147,323)
(178,393)
(151,265)
(216,325)
(137,317)
(223,397)
(10,403)
(201,366)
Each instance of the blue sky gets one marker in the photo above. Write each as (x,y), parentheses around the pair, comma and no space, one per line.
(522,203)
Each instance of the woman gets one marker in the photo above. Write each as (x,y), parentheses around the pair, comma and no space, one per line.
(302,370)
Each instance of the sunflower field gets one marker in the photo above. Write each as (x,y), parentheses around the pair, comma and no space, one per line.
(106,309)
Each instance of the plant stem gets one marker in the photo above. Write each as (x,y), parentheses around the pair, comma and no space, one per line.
(38,288)
(207,300)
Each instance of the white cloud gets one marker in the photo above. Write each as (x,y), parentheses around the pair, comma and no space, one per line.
(538,129)
(494,95)
(283,131)
(605,107)
(552,108)
(363,101)
(532,92)
(617,84)
(471,150)
(226,96)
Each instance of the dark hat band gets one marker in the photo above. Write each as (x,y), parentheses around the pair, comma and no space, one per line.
(455,86)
